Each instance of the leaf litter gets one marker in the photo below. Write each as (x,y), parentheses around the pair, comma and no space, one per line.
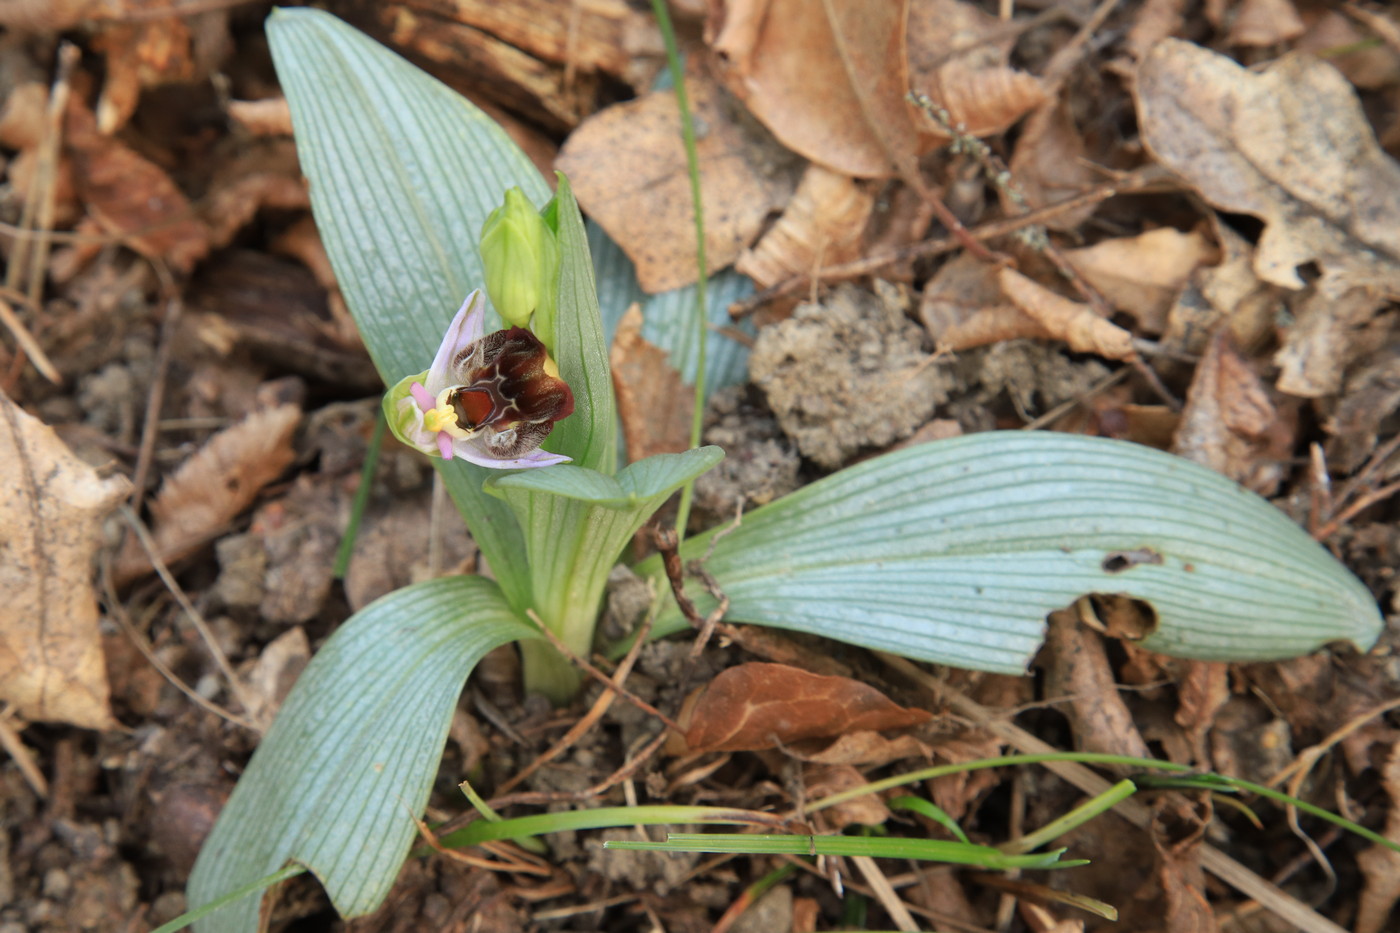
(1254,279)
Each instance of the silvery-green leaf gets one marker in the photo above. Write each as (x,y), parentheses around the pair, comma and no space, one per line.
(403,173)
(955,551)
(589,435)
(577,522)
(337,780)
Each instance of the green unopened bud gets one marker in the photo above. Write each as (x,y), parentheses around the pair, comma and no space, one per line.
(521,256)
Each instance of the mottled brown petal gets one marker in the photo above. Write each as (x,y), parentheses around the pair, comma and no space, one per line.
(506,391)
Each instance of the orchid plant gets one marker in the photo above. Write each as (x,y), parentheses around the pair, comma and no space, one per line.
(951,552)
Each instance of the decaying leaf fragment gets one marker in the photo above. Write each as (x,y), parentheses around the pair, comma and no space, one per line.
(822,225)
(827,78)
(760,705)
(628,169)
(1074,323)
(51,509)
(653,404)
(1142,274)
(1291,146)
(1228,419)
(211,487)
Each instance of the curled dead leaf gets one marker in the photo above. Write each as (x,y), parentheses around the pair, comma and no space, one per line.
(980,102)
(822,225)
(827,78)
(52,505)
(1228,418)
(1143,274)
(1074,323)
(760,705)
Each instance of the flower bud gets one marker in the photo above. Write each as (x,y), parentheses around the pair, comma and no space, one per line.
(521,258)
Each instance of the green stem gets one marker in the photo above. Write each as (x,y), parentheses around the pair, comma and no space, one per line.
(692,158)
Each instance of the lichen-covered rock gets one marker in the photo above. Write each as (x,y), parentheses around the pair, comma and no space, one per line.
(848,374)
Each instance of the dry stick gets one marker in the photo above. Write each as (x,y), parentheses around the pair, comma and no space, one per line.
(668,543)
(1288,908)
(155,398)
(196,619)
(47,174)
(27,343)
(23,759)
(1136,180)
(473,861)
(1363,476)
(1351,511)
(47,158)
(118,612)
(885,892)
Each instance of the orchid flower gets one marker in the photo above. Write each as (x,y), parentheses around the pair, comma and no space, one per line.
(489,399)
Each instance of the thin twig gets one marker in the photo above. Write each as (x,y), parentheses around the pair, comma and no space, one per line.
(119,613)
(28,344)
(155,397)
(1136,180)
(22,757)
(196,619)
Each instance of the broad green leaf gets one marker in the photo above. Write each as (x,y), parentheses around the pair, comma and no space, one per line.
(403,173)
(589,435)
(577,522)
(955,551)
(348,763)
(668,318)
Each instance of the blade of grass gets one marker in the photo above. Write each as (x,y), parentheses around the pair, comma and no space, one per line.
(237,894)
(933,850)
(600,818)
(1080,814)
(692,159)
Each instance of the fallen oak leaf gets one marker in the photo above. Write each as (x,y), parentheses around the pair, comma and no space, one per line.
(1289,145)
(821,226)
(760,705)
(1074,323)
(51,509)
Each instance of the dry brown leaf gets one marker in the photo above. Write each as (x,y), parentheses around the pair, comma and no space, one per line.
(270,116)
(1143,274)
(1228,418)
(821,226)
(601,35)
(759,705)
(273,674)
(220,480)
(1051,165)
(962,307)
(1368,66)
(140,55)
(653,403)
(1371,396)
(1328,335)
(1289,145)
(47,15)
(1077,671)
(130,195)
(264,174)
(51,510)
(1074,323)
(1260,23)
(628,168)
(867,748)
(1379,865)
(829,79)
(865,810)
(980,102)
(1154,20)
